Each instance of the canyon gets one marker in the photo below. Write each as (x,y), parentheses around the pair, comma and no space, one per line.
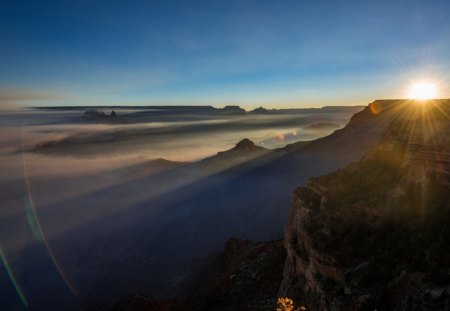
(375,234)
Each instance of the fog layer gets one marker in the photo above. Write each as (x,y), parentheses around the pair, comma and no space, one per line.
(86,199)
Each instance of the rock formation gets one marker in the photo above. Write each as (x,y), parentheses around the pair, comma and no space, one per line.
(376,234)
(233,110)
(261,110)
(245,151)
(246,145)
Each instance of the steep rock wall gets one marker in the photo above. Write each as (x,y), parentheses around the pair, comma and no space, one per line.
(376,234)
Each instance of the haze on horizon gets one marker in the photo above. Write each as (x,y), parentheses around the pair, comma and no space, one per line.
(250,53)
(71,181)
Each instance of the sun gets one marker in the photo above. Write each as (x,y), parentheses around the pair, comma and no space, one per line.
(423,91)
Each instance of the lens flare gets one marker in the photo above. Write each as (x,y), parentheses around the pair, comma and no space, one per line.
(12,278)
(33,219)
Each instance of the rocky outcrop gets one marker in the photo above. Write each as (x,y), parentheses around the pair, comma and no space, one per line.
(243,153)
(246,145)
(233,110)
(261,110)
(376,234)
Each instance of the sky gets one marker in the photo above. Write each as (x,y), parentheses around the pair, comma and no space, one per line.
(248,53)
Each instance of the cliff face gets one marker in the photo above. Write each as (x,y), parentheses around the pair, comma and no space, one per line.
(376,234)
(362,132)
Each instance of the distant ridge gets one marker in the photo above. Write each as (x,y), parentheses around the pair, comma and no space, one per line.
(122,107)
(194,107)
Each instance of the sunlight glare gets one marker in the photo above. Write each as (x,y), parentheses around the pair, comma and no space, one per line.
(423,91)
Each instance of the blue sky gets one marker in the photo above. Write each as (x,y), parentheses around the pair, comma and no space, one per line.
(251,53)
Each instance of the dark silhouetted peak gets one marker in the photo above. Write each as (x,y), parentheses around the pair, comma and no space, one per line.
(113,114)
(245,145)
(233,109)
(260,110)
(244,151)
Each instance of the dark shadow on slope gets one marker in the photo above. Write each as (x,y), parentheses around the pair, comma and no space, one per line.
(149,245)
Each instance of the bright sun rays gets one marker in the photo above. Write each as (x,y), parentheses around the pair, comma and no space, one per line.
(423,90)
